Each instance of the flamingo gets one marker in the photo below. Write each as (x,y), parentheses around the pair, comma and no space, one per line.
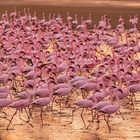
(75,22)
(19,105)
(68,17)
(121,20)
(4,92)
(61,92)
(13,14)
(4,102)
(44,101)
(84,104)
(82,26)
(89,21)
(110,109)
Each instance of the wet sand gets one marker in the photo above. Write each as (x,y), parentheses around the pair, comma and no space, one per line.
(54,128)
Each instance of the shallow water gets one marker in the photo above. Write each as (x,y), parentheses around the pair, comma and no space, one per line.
(55,129)
(97,8)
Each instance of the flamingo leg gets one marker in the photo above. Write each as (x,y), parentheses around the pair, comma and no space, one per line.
(28,115)
(86,94)
(76,91)
(83,94)
(4,117)
(92,113)
(93,117)
(15,85)
(134,97)
(30,111)
(107,122)
(121,115)
(73,115)
(129,100)
(49,109)
(67,101)
(132,102)
(26,121)
(3,112)
(82,117)
(11,120)
(19,113)
(60,105)
(98,122)
(53,99)
(41,112)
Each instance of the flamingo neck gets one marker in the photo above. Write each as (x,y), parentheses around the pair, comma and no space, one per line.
(89,16)
(50,90)
(76,18)
(8,92)
(117,100)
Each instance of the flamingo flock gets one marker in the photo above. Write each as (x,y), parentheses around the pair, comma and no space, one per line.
(67,64)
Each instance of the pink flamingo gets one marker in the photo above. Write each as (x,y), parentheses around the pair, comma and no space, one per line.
(61,92)
(110,109)
(75,22)
(82,26)
(121,20)
(19,105)
(41,102)
(84,104)
(89,21)
(3,104)
(68,17)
